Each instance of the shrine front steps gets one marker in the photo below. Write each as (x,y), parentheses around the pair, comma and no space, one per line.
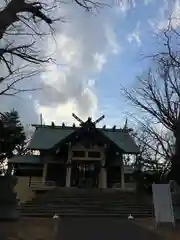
(80,203)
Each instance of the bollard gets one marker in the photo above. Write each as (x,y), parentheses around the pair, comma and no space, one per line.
(55,225)
(130,217)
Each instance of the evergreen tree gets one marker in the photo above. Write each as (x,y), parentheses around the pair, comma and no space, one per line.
(12,134)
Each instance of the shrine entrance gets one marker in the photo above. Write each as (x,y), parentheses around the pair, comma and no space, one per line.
(85,175)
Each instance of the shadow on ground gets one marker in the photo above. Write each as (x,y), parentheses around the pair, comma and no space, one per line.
(80,229)
(103,229)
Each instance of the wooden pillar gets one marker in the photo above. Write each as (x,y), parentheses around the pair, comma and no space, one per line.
(68,168)
(44,173)
(103,178)
(100,177)
(122,174)
(68,176)
(103,174)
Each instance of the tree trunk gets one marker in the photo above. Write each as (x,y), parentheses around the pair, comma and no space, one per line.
(175,164)
(9,15)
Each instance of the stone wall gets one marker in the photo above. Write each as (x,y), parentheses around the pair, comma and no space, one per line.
(130,186)
(22,189)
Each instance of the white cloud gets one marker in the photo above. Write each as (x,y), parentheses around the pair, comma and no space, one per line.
(83,47)
(135,35)
(100,60)
(63,112)
(160,22)
(168,16)
(91,82)
(175,17)
(146,2)
(124,5)
(112,40)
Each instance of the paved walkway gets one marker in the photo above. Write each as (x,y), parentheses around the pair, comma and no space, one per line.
(102,229)
(3,237)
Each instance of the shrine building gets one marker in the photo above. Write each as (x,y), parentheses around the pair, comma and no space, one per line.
(83,156)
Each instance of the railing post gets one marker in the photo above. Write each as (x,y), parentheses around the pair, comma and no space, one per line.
(29,184)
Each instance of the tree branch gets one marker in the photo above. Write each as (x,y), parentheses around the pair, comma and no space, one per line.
(9,14)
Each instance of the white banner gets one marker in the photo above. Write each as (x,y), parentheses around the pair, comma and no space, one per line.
(162,201)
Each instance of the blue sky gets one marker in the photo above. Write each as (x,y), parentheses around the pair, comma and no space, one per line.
(123,68)
(95,54)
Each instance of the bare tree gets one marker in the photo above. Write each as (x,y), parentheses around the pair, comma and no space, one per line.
(158,93)
(156,146)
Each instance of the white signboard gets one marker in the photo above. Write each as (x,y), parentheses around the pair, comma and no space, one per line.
(162,201)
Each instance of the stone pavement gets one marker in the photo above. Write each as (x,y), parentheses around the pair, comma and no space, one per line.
(102,229)
(3,237)
(91,228)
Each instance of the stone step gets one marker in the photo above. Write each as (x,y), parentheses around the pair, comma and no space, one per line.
(44,212)
(88,203)
(89,207)
(80,202)
(74,202)
(58,194)
(77,201)
(62,214)
(85,206)
(131,199)
(92,199)
(90,195)
(149,213)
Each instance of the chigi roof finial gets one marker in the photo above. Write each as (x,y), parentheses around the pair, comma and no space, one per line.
(126,125)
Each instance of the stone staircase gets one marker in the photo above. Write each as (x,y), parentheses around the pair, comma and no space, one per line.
(86,202)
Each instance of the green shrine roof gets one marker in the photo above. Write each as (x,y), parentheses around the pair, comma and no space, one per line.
(123,140)
(45,137)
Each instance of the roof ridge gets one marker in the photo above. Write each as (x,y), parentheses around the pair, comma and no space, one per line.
(54,127)
(77,127)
